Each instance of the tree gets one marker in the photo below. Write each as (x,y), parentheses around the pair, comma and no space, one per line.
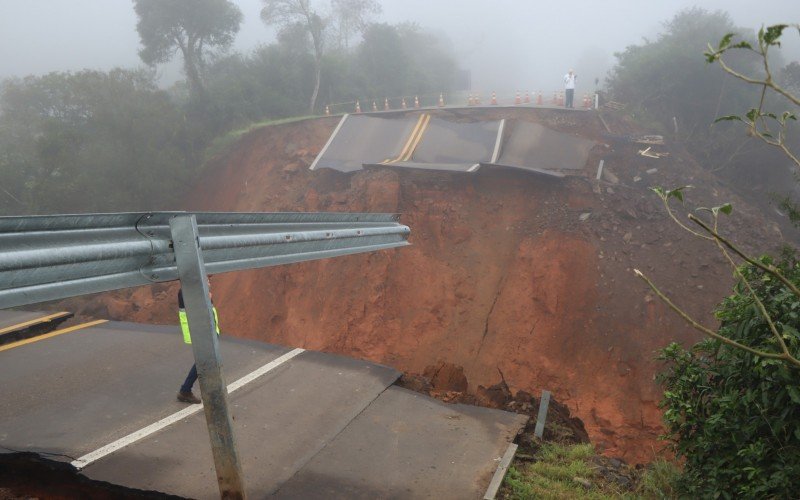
(288,13)
(192,26)
(433,66)
(90,141)
(352,17)
(383,63)
(273,81)
(667,77)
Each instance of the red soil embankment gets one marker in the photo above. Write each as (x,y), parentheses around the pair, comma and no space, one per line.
(503,274)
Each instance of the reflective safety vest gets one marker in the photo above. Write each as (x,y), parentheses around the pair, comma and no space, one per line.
(187,338)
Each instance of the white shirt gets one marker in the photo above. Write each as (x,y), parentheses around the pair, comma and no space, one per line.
(569,80)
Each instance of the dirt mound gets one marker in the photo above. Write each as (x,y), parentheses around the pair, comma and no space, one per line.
(447,382)
(508,272)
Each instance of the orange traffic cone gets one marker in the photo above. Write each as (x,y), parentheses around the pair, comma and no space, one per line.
(494,99)
(517,100)
(327,110)
(416,101)
(374,106)
(403,104)
(358,107)
(386,104)
(470,102)
(441,100)
(539,100)
(527,97)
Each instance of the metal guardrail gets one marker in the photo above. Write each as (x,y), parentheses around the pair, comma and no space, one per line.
(57,256)
(45,258)
(54,257)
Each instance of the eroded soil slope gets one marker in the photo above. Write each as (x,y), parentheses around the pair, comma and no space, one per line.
(506,274)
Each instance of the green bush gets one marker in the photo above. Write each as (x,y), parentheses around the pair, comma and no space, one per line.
(734,416)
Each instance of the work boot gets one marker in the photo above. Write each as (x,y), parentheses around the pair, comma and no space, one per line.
(188,397)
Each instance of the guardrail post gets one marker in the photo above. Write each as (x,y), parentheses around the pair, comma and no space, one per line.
(542,416)
(205,345)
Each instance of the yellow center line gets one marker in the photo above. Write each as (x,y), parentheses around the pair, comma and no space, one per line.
(409,141)
(52,334)
(419,138)
(33,322)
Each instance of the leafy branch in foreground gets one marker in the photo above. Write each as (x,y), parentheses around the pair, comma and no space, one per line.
(732,401)
(766,126)
(726,248)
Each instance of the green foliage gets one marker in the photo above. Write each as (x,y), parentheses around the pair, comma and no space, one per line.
(733,416)
(659,480)
(89,141)
(552,475)
(109,141)
(189,26)
(275,81)
(667,77)
(769,127)
(666,194)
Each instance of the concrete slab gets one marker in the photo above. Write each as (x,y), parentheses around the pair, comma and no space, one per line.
(317,425)
(406,445)
(536,147)
(9,318)
(363,139)
(447,142)
(68,395)
(20,325)
(281,421)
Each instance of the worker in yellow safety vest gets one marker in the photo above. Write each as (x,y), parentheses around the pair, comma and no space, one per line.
(185,394)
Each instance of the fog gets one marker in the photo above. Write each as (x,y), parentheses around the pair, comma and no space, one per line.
(506,44)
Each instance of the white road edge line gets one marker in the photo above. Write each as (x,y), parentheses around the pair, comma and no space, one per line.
(498,141)
(142,433)
(330,140)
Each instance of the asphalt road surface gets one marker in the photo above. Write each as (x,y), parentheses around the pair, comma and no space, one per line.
(102,398)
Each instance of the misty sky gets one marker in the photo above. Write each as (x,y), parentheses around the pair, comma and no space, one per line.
(507,44)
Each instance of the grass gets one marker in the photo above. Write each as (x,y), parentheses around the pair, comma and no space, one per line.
(658,481)
(559,471)
(223,143)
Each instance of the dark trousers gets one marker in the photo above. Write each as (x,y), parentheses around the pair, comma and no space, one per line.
(190,379)
(568,100)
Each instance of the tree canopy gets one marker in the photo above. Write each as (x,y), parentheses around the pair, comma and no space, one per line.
(192,26)
(89,141)
(645,77)
(107,141)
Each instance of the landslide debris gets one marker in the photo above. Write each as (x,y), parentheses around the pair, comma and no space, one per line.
(507,270)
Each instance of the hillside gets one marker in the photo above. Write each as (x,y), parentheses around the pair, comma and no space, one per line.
(507,275)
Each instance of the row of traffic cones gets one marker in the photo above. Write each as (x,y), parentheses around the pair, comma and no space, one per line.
(475,100)
(386,106)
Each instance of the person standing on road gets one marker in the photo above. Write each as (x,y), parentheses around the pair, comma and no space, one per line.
(569,88)
(185,394)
